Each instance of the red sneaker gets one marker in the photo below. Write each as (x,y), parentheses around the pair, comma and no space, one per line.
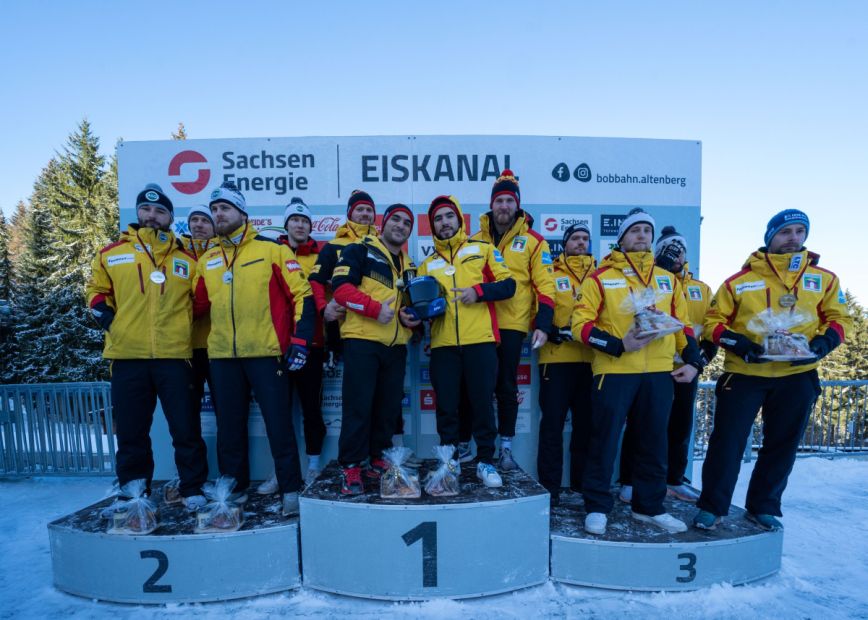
(351,480)
(377,468)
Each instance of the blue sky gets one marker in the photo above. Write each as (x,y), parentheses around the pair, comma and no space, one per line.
(776,91)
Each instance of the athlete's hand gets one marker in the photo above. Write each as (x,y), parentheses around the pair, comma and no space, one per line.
(633,342)
(538,339)
(407,319)
(334,311)
(685,374)
(296,357)
(387,313)
(466,295)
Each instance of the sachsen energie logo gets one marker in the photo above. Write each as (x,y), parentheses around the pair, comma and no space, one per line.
(189,157)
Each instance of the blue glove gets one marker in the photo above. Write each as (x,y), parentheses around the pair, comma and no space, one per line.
(296,357)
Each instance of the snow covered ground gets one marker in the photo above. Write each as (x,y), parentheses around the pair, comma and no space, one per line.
(824,573)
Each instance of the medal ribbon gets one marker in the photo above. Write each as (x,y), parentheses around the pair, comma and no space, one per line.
(151,256)
(639,273)
(791,290)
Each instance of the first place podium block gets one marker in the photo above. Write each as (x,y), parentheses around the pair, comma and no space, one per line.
(480,542)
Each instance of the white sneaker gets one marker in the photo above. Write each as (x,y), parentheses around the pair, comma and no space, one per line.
(666,521)
(309,478)
(626,494)
(488,475)
(595,523)
(195,502)
(269,486)
(683,492)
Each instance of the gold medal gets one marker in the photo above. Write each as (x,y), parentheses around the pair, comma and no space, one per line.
(450,270)
(157,277)
(787,301)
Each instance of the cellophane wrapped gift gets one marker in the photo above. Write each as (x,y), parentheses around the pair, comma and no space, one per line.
(137,515)
(779,343)
(648,318)
(219,514)
(443,481)
(398,481)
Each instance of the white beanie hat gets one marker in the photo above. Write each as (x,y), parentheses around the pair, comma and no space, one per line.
(636,216)
(296,206)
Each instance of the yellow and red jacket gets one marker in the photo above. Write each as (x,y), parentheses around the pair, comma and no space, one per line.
(320,275)
(764,279)
(529,260)
(365,277)
(254,309)
(603,317)
(698,295)
(152,320)
(202,325)
(307,254)
(569,272)
(459,262)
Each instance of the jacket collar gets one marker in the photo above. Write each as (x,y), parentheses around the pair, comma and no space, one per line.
(640,263)
(578,266)
(158,242)
(788,268)
(446,247)
(352,230)
(239,236)
(523,222)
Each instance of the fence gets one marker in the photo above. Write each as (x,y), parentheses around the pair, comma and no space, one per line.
(56,428)
(66,428)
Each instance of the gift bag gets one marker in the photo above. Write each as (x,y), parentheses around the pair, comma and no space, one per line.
(647,317)
(779,343)
(137,515)
(443,481)
(398,481)
(219,514)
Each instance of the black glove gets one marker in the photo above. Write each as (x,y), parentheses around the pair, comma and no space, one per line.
(668,258)
(820,346)
(707,351)
(742,346)
(692,355)
(103,315)
(605,342)
(557,335)
(296,357)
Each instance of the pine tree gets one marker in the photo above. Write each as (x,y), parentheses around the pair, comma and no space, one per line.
(6,276)
(18,226)
(7,334)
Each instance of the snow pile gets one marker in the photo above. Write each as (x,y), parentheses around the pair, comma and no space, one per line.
(824,572)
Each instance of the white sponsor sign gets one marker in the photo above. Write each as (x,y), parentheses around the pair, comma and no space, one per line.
(553,225)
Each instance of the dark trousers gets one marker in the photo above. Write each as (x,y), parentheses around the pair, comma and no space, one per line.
(135,387)
(475,366)
(201,374)
(680,426)
(786,404)
(563,387)
(505,389)
(308,383)
(267,378)
(372,392)
(648,399)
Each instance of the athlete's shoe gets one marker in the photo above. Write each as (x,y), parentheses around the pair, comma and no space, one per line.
(595,523)
(311,476)
(506,462)
(704,520)
(269,486)
(194,503)
(376,468)
(351,480)
(412,462)
(626,494)
(766,522)
(239,497)
(464,453)
(665,520)
(683,492)
(489,476)
(290,504)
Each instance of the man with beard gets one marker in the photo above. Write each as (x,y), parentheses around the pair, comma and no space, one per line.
(565,370)
(633,372)
(255,292)
(139,293)
(780,281)
(526,254)
(464,340)
(368,280)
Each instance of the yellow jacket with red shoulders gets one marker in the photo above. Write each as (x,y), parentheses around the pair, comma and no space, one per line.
(459,262)
(307,254)
(569,272)
(256,292)
(698,295)
(152,319)
(365,278)
(764,279)
(529,260)
(202,325)
(604,315)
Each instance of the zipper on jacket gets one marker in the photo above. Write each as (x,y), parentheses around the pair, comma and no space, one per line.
(232,314)
(457,303)
(141,280)
(600,384)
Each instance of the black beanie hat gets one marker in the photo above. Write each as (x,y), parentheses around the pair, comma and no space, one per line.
(153,195)
(507,183)
(574,228)
(359,197)
(397,208)
(445,201)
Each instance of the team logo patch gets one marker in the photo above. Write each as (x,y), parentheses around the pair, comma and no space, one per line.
(138,247)
(498,257)
(181,268)
(152,196)
(664,283)
(563,284)
(812,282)
(694,293)
(292,265)
(546,258)
(163,237)
(468,249)
(842,298)
(519,244)
(628,271)
(614,283)
(120,259)
(796,262)
(749,286)
(343,270)
(437,263)
(214,263)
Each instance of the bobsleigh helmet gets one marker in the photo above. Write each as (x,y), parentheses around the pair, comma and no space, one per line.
(424,298)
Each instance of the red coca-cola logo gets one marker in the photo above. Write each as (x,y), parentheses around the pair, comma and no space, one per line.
(327,224)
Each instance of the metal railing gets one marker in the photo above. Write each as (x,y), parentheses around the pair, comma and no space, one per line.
(56,428)
(838,424)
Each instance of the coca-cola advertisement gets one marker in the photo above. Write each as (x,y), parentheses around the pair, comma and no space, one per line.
(324,227)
